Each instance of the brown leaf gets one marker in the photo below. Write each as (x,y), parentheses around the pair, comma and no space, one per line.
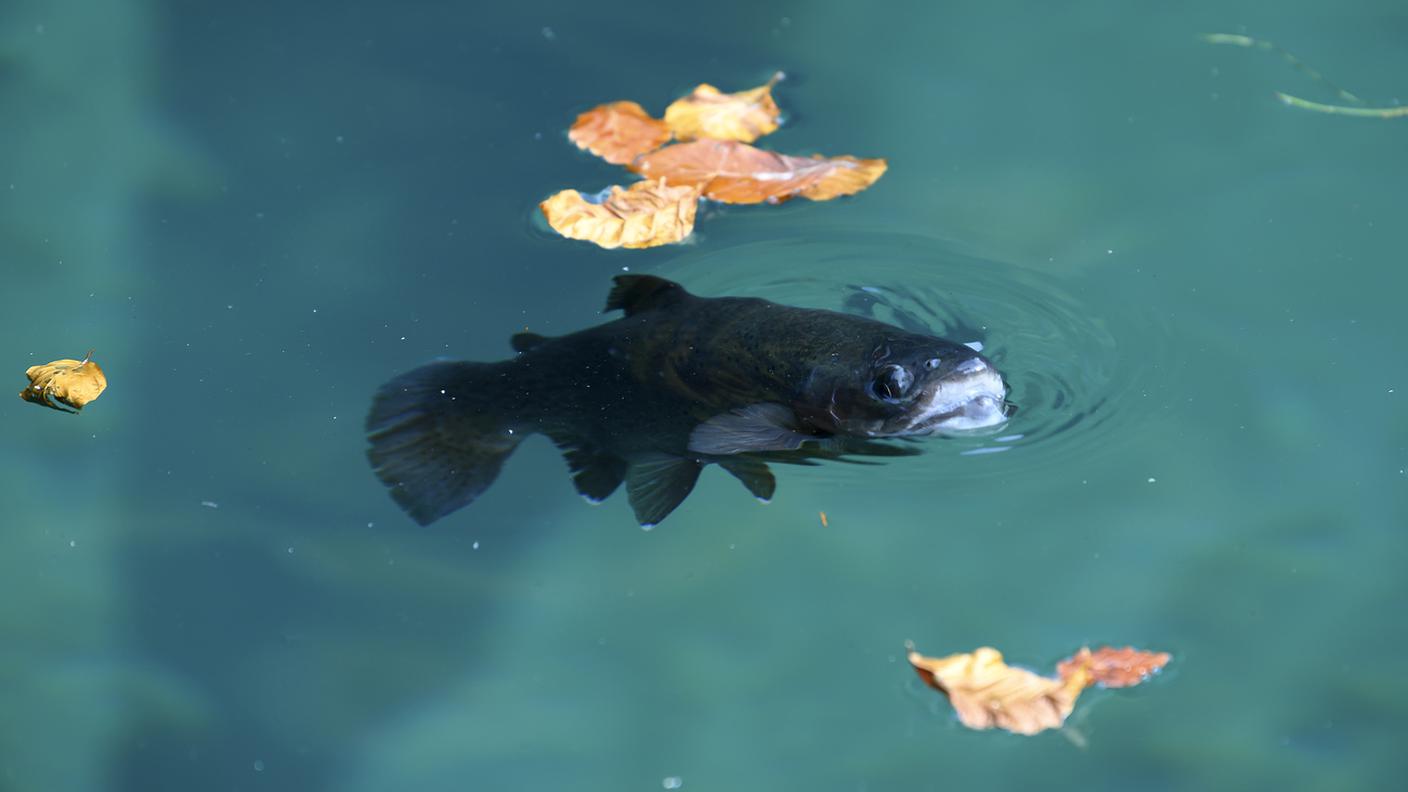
(1114,668)
(710,113)
(65,385)
(645,215)
(987,693)
(618,132)
(733,172)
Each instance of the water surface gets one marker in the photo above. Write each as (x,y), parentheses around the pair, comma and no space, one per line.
(259,212)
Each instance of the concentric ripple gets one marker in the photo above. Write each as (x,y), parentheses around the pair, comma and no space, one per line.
(1072,367)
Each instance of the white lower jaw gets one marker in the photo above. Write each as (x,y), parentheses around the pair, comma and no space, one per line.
(970,404)
(983,412)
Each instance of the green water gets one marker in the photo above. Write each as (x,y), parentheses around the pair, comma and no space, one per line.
(257,212)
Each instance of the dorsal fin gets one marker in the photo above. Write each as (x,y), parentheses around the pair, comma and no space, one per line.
(524,341)
(636,293)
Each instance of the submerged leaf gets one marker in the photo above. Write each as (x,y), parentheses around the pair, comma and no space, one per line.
(709,113)
(734,172)
(618,132)
(65,385)
(645,215)
(987,693)
(1114,668)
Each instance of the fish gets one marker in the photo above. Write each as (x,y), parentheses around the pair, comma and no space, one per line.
(677,383)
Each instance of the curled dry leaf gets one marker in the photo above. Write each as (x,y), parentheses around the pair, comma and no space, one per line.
(710,113)
(987,693)
(65,385)
(618,132)
(734,172)
(645,215)
(1114,668)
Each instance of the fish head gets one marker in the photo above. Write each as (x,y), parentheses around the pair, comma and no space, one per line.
(914,386)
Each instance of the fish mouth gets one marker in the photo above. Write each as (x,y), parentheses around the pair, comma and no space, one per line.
(969,401)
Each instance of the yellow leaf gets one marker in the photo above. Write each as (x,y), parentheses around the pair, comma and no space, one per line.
(734,172)
(710,113)
(65,385)
(648,214)
(987,693)
(618,132)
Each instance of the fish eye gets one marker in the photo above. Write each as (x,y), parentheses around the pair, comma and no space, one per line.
(931,363)
(891,383)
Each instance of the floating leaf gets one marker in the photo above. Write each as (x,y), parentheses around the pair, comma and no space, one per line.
(988,693)
(65,385)
(733,172)
(711,113)
(645,215)
(1114,668)
(618,132)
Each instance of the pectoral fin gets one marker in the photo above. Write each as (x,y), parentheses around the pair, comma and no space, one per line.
(757,427)
(754,474)
(656,486)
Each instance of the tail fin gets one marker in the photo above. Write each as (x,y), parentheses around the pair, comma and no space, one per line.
(434,443)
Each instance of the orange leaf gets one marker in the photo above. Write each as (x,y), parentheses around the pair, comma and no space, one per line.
(65,385)
(987,693)
(618,132)
(733,172)
(646,215)
(710,113)
(1114,668)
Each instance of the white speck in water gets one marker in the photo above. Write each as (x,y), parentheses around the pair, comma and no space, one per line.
(475,546)
(339,139)
(1152,479)
(73,543)
(672,782)
(549,34)
(735,547)
(1109,252)
(258,765)
(210,504)
(370,524)
(290,551)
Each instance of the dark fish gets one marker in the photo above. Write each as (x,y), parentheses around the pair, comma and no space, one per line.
(678,383)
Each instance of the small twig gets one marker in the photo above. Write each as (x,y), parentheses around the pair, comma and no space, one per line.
(1362,112)
(1237,40)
